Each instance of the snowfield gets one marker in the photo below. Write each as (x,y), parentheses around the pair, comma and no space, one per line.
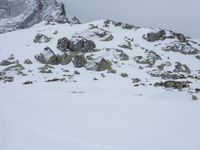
(109,113)
(91,117)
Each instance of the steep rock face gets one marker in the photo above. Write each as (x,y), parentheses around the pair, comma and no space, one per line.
(31,12)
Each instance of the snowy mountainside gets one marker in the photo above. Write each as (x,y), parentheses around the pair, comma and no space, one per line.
(144,56)
(102,85)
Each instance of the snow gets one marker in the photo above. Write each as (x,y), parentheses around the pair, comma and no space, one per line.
(89,116)
(80,113)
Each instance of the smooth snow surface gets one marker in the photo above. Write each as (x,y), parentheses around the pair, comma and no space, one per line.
(88,117)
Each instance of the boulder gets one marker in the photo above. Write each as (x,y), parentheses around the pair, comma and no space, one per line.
(182,68)
(64,59)
(155,36)
(79,61)
(104,65)
(41,38)
(81,44)
(28,62)
(63,44)
(47,57)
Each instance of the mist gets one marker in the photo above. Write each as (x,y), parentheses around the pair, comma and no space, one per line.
(178,15)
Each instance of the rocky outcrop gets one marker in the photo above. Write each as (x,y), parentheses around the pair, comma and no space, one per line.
(33,12)
(155,36)
(80,44)
(173,84)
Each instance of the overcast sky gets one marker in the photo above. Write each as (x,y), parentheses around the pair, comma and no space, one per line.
(179,15)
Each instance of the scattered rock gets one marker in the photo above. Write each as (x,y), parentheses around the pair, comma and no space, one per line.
(108,38)
(124,75)
(6,63)
(104,65)
(46,69)
(6,78)
(47,57)
(182,68)
(28,62)
(95,79)
(135,80)
(16,68)
(63,44)
(76,72)
(123,56)
(75,20)
(28,82)
(194,98)
(55,80)
(41,38)
(197,90)
(173,84)
(55,32)
(79,61)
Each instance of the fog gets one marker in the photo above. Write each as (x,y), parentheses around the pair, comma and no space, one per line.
(179,15)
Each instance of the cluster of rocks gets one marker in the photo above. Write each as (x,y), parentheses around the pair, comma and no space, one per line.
(173,84)
(74,51)
(127,26)
(150,60)
(162,35)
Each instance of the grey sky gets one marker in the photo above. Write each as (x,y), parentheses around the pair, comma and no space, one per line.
(179,15)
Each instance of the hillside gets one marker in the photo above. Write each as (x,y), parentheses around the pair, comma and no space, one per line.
(101,85)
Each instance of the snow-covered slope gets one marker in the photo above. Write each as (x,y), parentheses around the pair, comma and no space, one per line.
(102,85)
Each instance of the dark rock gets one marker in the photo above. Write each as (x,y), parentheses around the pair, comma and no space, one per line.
(194,98)
(55,80)
(123,56)
(18,68)
(28,62)
(124,75)
(81,44)
(104,65)
(197,90)
(182,68)
(79,61)
(64,59)
(173,84)
(63,44)
(75,20)
(47,57)
(180,37)
(76,72)
(153,37)
(28,82)
(46,69)
(135,80)
(6,63)
(41,38)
